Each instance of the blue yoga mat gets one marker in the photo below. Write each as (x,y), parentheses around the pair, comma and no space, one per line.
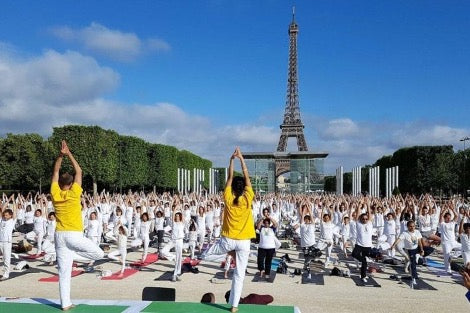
(275,264)
(435,264)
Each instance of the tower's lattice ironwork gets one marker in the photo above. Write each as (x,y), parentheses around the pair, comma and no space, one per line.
(292,124)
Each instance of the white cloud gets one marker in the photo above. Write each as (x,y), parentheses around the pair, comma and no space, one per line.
(118,45)
(56,89)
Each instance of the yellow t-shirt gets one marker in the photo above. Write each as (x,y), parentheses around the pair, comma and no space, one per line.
(68,208)
(238,219)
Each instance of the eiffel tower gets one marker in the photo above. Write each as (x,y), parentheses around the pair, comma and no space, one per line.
(292,125)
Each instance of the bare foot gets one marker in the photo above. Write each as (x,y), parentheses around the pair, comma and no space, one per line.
(68,307)
(233,309)
(120,275)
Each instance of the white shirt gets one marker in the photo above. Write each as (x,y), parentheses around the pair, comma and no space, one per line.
(6,230)
(39,224)
(465,241)
(178,231)
(410,239)
(159,223)
(267,238)
(390,227)
(29,217)
(424,223)
(447,231)
(307,235)
(364,234)
(144,230)
(327,230)
(93,228)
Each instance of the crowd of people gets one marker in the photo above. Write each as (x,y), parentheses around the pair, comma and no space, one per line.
(67,225)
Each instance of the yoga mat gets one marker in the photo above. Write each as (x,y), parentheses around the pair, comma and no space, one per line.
(232,264)
(275,264)
(32,256)
(370,282)
(435,264)
(46,308)
(151,258)
(166,276)
(55,278)
(189,307)
(272,276)
(420,284)
(315,279)
(188,260)
(115,276)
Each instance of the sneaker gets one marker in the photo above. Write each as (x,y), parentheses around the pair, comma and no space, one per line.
(178,278)
(364,280)
(173,279)
(413,281)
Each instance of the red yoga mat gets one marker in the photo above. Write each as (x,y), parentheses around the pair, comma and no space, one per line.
(33,256)
(151,258)
(192,262)
(127,272)
(55,278)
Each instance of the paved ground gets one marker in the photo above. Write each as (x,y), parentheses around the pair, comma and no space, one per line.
(338,294)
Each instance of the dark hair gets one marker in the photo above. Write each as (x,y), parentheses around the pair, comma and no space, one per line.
(466,225)
(51,214)
(267,220)
(192,227)
(65,179)
(409,223)
(144,214)
(9,211)
(180,215)
(238,186)
(38,210)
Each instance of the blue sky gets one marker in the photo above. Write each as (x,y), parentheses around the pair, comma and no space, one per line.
(205,76)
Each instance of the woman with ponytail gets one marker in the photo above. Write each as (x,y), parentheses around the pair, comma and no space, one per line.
(237,226)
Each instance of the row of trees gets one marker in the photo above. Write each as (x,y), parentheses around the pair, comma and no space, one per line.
(435,169)
(108,160)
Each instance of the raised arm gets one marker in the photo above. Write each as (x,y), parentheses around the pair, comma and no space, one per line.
(244,168)
(78,170)
(230,170)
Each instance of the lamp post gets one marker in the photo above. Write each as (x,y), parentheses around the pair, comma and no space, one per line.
(464,162)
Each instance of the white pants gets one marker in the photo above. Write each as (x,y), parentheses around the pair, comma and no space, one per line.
(447,248)
(5,250)
(391,239)
(72,245)
(242,249)
(114,256)
(145,245)
(192,247)
(179,256)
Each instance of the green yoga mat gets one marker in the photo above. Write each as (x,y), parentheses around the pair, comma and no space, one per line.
(45,308)
(190,307)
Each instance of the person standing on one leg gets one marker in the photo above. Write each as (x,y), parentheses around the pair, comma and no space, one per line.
(66,191)
(364,238)
(412,240)
(238,226)
(7,224)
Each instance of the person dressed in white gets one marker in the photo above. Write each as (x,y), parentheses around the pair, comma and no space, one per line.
(7,224)
(327,231)
(39,230)
(209,222)
(201,226)
(412,239)
(345,233)
(121,253)
(192,237)
(159,229)
(94,229)
(447,230)
(48,243)
(390,232)
(363,245)
(177,236)
(143,238)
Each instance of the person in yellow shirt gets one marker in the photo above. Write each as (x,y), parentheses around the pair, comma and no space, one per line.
(238,226)
(70,242)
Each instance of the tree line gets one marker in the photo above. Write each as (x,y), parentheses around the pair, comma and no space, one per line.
(108,160)
(422,169)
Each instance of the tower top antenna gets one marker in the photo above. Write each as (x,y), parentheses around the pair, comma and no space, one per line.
(293,13)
